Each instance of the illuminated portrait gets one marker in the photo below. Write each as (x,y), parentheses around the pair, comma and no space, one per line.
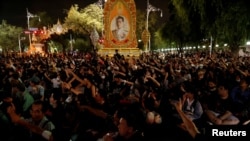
(120,28)
(120,24)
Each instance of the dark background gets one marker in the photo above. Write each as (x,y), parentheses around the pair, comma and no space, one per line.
(14,11)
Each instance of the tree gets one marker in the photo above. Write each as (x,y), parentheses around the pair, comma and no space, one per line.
(60,39)
(140,23)
(45,20)
(226,20)
(9,36)
(159,41)
(81,45)
(152,24)
(234,23)
(83,21)
(177,28)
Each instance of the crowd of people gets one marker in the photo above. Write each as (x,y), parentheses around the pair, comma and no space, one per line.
(60,97)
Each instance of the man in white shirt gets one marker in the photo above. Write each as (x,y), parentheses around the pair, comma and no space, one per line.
(120,32)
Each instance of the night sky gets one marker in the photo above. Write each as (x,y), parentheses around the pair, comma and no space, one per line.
(14,11)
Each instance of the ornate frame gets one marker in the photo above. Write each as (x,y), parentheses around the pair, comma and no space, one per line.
(112,9)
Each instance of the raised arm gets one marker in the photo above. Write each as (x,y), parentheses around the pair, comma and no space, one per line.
(154,80)
(188,123)
(33,128)
(94,111)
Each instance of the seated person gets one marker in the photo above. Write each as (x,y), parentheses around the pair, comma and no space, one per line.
(129,129)
(219,108)
(241,97)
(41,128)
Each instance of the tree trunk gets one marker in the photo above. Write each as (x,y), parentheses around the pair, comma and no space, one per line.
(234,50)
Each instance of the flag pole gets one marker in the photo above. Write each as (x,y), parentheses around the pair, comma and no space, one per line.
(28,23)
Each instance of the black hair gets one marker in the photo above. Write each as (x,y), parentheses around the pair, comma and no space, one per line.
(120,17)
(103,93)
(224,84)
(4,105)
(246,79)
(149,103)
(20,86)
(4,94)
(39,102)
(134,116)
(15,75)
(63,75)
(189,87)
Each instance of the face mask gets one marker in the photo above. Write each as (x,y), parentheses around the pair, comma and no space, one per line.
(150,117)
(132,87)
(212,88)
(158,119)
(19,94)
(153,117)
(136,82)
(108,68)
(52,104)
(103,76)
(201,66)
(135,67)
(238,80)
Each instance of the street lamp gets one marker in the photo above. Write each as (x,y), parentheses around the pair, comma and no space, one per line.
(19,41)
(94,36)
(30,15)
(71,43)
(100,4)
(248,43)
(149,9)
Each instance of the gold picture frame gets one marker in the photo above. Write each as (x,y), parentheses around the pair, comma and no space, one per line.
(118,12)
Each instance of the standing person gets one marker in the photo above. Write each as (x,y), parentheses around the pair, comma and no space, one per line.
(117,55)
(191,104)
(241,97)
(219,108)
(188,123)
(39,127)
(21,98)
(129,128)
(120,32)
(36,89)
(56,83)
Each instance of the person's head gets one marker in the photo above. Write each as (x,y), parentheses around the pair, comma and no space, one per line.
(131,119)
(34,81)
(244,83)
(231,69)
(190,94)
(117,115)
(117,78)
(119,22)
(5,101)
(54,100)
(101,96)
(16,87)
(127,125)
(223,90)
(124,127)
(211,85)
(190,91)
(37,111)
